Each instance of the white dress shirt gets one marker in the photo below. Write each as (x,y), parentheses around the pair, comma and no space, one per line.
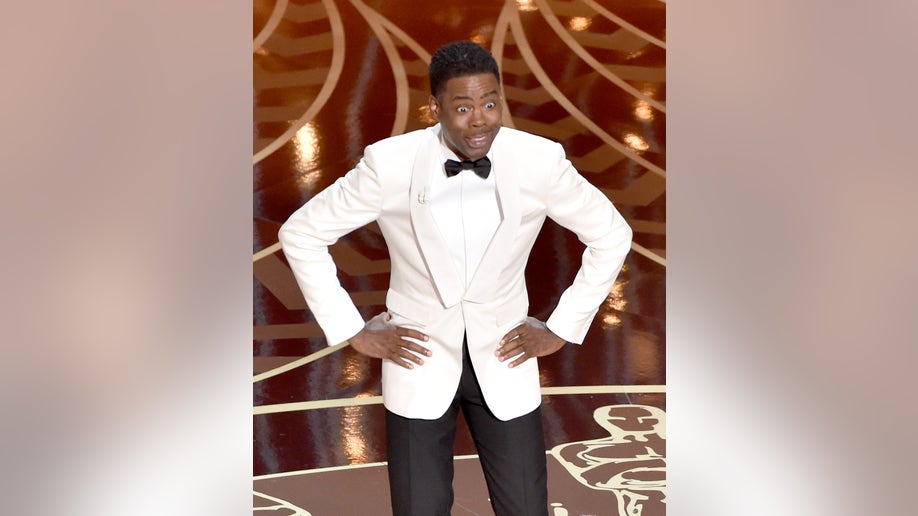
(466,212)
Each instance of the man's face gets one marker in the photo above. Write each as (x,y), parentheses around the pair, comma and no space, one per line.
(469,111)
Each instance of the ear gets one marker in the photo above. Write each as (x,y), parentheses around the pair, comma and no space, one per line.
(434,106)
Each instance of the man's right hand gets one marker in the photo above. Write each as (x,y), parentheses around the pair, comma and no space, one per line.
(379,339)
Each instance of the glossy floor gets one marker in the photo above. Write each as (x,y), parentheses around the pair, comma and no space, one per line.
(332,76)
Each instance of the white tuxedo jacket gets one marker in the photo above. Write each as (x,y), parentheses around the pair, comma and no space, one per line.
(390,185)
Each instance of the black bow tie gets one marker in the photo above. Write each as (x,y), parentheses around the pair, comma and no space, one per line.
(481,166)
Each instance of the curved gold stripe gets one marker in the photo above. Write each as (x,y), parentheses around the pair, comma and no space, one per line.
(298,362)
(346,466)
(395,61)
(319,470)
(312,405)
(639,249)
(592,61)
(376,400)
(271,249)
(497,50)
(516,27)
(404,37)
(279,7)
(624,24)
(297,511)
(604,389)
(334,73)
(414,46)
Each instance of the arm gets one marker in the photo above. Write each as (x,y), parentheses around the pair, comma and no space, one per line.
(580,207)
(351,202)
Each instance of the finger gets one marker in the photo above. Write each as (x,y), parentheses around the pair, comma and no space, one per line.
(397,359)
(409,356)
(403,363)
(401,331)
(414,346)
(519,360)
(405,354)
(510,336)
(510,350)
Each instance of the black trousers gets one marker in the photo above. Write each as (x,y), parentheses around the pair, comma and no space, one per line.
(512,453)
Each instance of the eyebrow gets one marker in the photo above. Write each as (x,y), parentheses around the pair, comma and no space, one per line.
(463,97)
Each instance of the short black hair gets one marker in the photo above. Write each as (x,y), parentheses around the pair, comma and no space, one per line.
(459,59)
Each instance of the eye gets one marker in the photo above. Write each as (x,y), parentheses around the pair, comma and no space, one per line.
(490,105)
(462,109)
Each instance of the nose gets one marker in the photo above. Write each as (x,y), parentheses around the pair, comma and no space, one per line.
(478,118)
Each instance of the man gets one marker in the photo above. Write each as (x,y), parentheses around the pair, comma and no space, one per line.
(460,205)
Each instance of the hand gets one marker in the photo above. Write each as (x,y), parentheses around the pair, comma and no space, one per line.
(530,339)
(379,339)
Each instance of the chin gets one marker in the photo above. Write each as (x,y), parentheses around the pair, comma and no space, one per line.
(477,152)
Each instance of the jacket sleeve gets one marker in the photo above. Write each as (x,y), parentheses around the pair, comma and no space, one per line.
(582,208)
(352,201)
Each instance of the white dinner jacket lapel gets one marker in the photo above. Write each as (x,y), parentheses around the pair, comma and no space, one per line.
(434,247)
(506,176)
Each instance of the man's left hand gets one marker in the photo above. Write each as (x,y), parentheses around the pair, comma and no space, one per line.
(530,339)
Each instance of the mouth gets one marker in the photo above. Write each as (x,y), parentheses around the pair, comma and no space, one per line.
(478,141)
